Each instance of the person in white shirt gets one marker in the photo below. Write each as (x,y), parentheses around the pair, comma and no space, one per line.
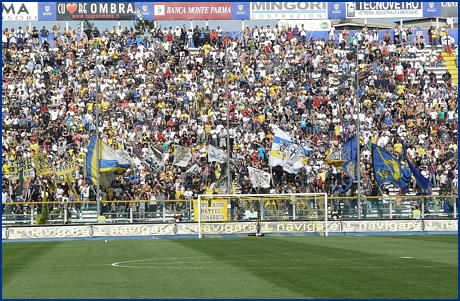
(332,33)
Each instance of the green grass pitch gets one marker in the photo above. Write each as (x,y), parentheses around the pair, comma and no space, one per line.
(247,267)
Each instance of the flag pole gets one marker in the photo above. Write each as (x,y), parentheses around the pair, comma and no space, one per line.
(229,177)
(98,189)
(358,150)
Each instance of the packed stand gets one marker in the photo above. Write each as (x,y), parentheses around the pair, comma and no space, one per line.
(153,91)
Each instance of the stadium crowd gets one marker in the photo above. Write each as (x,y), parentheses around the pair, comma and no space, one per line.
(154,91)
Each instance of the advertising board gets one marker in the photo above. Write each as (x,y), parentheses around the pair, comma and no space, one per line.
(66,11)
(19,11)
(47,11)
(378,10)
(193,10)
(336,10)
(233,228)
(288,10)
(145,9)
(448,9)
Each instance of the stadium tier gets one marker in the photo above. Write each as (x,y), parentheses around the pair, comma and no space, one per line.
(152,118)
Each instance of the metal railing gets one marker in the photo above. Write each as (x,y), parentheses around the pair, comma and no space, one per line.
(163,211)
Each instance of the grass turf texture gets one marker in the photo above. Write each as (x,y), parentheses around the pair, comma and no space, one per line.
(265,267)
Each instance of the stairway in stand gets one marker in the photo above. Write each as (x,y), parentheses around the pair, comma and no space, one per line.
(450,65)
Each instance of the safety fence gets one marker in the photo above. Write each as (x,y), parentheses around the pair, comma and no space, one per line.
(264,209)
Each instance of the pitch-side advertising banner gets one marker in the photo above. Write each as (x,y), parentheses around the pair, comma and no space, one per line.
(114,230)
(373,10)
(193,10)
(19,11)
(95,11)
(288,10)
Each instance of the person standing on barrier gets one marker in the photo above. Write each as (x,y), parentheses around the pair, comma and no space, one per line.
(398,205)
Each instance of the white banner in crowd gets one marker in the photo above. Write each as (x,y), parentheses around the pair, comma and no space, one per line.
(215,154)
(259,178)
(182,156)
(19,11)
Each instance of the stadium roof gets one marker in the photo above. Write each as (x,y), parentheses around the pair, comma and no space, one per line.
(359,23)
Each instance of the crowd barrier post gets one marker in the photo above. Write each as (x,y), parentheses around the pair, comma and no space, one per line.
(455,209)
(293,212)
(423,208)
(31,214)
(131,214)
(64,206)
(391,209)
(164,212)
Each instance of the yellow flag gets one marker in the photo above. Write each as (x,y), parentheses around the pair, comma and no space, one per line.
(41,164)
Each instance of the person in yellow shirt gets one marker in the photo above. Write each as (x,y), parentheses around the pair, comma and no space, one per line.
(6,168)
(398,147)
(207,48)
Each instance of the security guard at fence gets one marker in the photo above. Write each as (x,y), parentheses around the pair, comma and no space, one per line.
(101,218)
(416,213)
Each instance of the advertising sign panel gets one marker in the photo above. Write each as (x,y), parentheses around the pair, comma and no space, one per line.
(193,10)
(95,11)
(432,9)
(19,11)
(448,9)
(114,230)
(241,11)
(376,10)
(145,9)
(288,10)
(46,11)
(336,10)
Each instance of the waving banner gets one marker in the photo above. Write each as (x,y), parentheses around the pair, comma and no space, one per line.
(182,155)
(154,162)
(259,178)
(288,152)
(66,173)
(215,154)
(42,166)
(20,169)
(194,170)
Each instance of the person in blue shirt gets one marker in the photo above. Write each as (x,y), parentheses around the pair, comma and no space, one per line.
(137,96)
(139,40)
(44,34)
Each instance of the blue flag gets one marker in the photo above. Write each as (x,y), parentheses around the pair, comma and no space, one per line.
(348,153)
(349,150)
(389,169)
(422,181)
